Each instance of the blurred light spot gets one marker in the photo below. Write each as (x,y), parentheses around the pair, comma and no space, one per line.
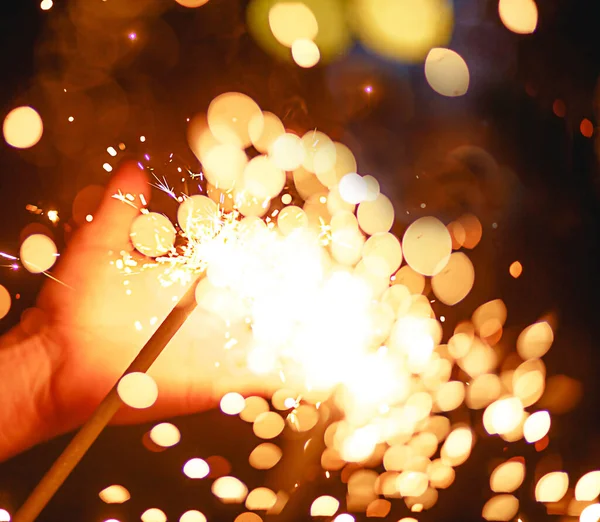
(152,234)
(254,407)
(427,246)
(232,403)
(519,16)
(500,508)
(586,128)
(111,151)
(291,21)
(590,514)
(154,515)
(558,107)
(268,425)
(287,151)
(132,36)
(71,119)
(265,456)
(261,499)
(552,487)
(196,468)
(191,3)
(107,167)
(507,477)
(412,483)
(192,516)
(454,282)
(324,506)
(379,508)
(165,435)
(38,253)
(4,515)
(248,517)
(229,116)
(5,302)
(447,72)
(588,486)
(264,129)
(515,269)
(535,340)
(536,426)
(305,53)
(262,178)
(22,127)
(115,495)
(353,188)
(138,390)
(89,218)
(504,416)
(376,216)
(229,490)
(46,5)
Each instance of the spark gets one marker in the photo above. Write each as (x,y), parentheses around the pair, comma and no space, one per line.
(53,216)
(132,36)
(163,185)
(8,256)
(125,198)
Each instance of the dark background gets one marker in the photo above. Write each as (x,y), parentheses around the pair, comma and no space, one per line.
(540,205)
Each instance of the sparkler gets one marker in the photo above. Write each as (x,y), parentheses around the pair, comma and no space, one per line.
(297,260)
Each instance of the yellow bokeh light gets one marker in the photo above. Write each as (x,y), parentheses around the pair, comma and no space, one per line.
(375,216)
(45,5)
(519,16)
(536,426)
(384,246)
(590,513)
(447,72)
(224,166)
(38,253)
(379,508)
(412,483)
(196,214)
(192,516)
(291,21)
(500,508)
(229,490)
(427,246)
(232,403)
(165,435)
(507,477)
(5,302)
(138,390)
(114,494)
(196,468)
(535,340)
(262,178)
(261,499)
(264,130)
(152,234)
(291,218)
(268,425)
(287,151)
(229,116)
(305,53)
(515,269)
(154,515)
(452,284)
(552,487)
(588,486)
(344,517)
(457,447)
(265,456)
(192,3)
(320,152)
(22,127)
(403,29)
(353,188)
(324,506)
(254,407)
(503,416)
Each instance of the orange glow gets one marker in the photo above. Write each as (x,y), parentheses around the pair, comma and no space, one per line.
(558,107)
(22,127)
(586,128)
(232,403)
(305,53)
(192,516)
(515,269)
(265,456)
(324,506)
(261,499)
(501,508)
(229,490)
(519,16)
(154,515)
(191,3)
(268,425)
(5,302)
(588,486)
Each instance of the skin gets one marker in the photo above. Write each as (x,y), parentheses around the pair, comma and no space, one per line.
(57,367)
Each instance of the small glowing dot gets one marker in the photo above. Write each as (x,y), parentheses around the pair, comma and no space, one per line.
(52,216)
(107,167)
(111,151)
(142,139)
(290,402)
(132,36)
(515,269)
(121,146)
(71,119)
(368,89)
(45,6)
(586,128)
(196,468)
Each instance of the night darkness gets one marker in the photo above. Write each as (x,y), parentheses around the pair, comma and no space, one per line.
(538,205)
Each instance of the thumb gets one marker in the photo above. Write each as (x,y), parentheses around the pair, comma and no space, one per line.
(127,193)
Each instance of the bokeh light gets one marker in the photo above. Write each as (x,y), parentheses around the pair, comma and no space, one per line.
(229,490)
(447,72)
(138,390)
(154,515)
(192,516)
(427,246)
(22,127)
(165,435)
(38,253)
(5,302)
(115,494)
(292,21)
(152,234)
(232,403)
(305,53)
(519,16)
(552,487)
(196,468)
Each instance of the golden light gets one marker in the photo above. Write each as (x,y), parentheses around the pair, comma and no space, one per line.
(447,72)
(501,508)
(38,253)
(307,184)
(457,447)
(232,403)
(291,21)
(590,513)
(375,216)
(22,127)
(262,178)
(287,151)
(303,418)
(53,216)
(196,468)
(152,234)
(472,228)
(441,475)
(450,395)
(165,435)
(324,506)
(154,515)
(427,246)
(45,5)
(138,390)
(344,517)
(224,165)
(305,53)
(515,269)
(254,407)
(107,167)
(588,486)
(535,340)
(114,494)
(552,487)
(379,508)
(264,130)
(536,426)
(229,490)
(503,416)
(191,3)
(320,152)
(345,163)
(452,284)
(489,317)
(291,218)
(519,16)
(586,127)
(265,456)
(412,483)
(404,30)
(192,516)
(261,499)
(507,477)
(5,302)
(248,517)
(353,188)
(4,515)
(383,246)
(268,425)
(229,116)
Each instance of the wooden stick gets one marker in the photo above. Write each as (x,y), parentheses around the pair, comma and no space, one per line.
(89,432)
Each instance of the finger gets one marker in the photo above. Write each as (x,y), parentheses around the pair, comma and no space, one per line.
(127,193)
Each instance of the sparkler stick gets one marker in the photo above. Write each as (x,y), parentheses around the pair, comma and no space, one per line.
(89,432)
